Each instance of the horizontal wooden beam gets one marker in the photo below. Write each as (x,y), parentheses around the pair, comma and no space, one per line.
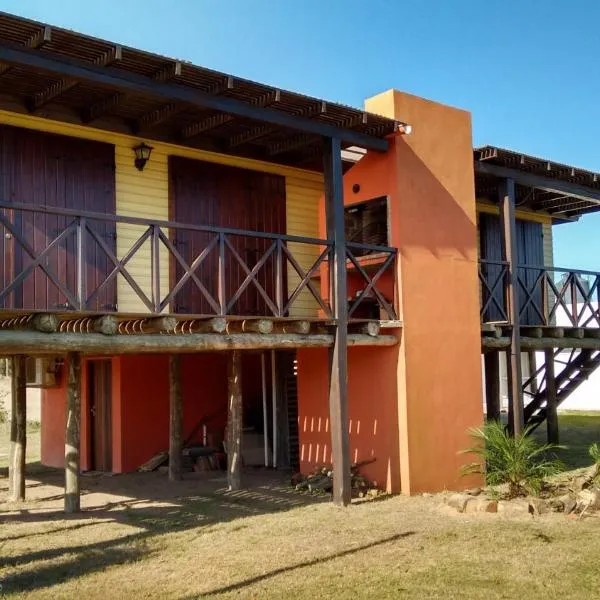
(108,104)
(220,119)
(539,181)
(132,82)
(34,343)
(528,343)
(57,88)
(39,39)
(255,133)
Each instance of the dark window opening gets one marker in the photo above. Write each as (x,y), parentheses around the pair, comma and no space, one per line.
(367,223)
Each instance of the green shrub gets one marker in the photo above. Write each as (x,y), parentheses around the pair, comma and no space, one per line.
(518,461)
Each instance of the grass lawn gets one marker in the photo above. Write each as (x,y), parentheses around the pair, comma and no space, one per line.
(142,537)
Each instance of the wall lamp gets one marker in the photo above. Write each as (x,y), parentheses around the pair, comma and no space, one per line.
(142,155)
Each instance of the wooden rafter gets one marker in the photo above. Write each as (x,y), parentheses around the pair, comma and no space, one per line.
(297,141)
(108,104)
(221,118)
(57,88)
(255,133)
(39,39)
(166,111)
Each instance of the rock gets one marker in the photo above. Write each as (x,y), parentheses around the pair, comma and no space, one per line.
(481,504)
(514,508)
(589,498)
(458,501)
(579,483)
(537,506)
(427,495)
(373,493)
(474,491)
(570,504)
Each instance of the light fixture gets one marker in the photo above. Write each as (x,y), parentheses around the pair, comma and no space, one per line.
(142,155)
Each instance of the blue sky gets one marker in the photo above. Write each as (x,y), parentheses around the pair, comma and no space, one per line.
(528,70)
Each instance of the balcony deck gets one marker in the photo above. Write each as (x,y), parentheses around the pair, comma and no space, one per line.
(63,264)
(558,307)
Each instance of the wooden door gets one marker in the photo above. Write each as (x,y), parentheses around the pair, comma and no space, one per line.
(204,193)
(100,403)
(56,172)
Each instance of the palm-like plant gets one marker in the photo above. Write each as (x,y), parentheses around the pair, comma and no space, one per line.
(517,460)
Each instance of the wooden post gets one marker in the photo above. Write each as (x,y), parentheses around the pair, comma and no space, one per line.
(176,417)
(338,382)
(551,398)
(234,421)
(532,363)
(72,434)
(509,242)
(492,384)
(18,430)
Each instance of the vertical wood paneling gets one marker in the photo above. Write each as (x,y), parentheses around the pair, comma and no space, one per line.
(57,172)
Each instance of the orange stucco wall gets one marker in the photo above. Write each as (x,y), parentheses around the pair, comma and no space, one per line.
(140,406)
(430,181)
(372,407)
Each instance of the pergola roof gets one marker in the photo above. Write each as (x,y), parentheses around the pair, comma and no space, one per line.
(67,76)
(563,191)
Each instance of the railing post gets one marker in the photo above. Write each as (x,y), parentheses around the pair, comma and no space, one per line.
(506,193)
(279,278)
(221,276)
(573,284)
(156,267)
(81,227)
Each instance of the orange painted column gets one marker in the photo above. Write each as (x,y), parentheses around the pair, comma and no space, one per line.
(433,223)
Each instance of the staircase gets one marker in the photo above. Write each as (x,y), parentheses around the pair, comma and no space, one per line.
(575,370)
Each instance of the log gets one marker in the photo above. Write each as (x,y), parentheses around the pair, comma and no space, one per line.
(45,322)
(299,327)
(39,344)
(18,433)
(160,324)
(575,332)
(370,328)
(534,332)
(216,325)
(257,326)
(592,332)
(234,421)
(554,332)
(176,417)
(106,324)
(72,434)
(491,329)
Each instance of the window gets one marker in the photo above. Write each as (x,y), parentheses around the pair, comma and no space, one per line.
(367,223)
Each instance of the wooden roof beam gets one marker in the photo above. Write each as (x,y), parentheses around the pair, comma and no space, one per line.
(39,39)
(109,103)
(166,111)
(63,66)
(546,183)
(54,90)
(293,143)
(220,119)
(255,133)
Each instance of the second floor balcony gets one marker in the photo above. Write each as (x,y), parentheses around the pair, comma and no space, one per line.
(72,261)
(547,295)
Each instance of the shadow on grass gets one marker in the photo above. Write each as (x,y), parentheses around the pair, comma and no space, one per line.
(147,504)
(309,563)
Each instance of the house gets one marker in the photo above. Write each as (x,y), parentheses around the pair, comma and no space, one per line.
(193,259)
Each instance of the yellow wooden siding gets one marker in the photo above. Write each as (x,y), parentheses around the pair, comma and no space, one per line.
(548,249)
(146,194)
(303,220)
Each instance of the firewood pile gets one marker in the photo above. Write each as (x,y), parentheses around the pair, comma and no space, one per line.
(320,481)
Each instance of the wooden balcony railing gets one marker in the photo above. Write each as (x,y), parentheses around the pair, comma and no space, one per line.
(547,295)
(58,259)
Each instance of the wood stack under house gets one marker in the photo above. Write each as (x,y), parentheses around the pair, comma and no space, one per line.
(194,261)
